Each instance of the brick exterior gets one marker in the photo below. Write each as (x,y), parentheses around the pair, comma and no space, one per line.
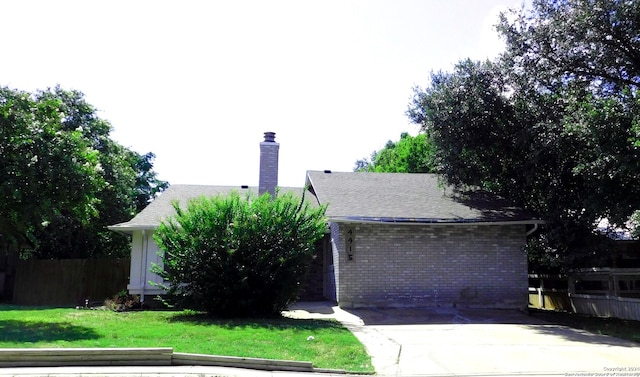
(438,265)
(268,180)
(333,273)
(313,286)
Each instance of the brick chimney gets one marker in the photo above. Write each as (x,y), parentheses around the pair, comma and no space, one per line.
(268,164)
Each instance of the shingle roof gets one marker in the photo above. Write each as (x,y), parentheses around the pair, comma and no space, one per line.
(361,197)
(162,207)
(407,198)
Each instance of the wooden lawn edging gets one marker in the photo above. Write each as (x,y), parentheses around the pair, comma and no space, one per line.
(52,357)
(241,362)
(58,357)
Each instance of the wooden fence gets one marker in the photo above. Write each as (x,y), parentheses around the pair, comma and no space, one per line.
(549,292)
(606,306)
(69,282)
(601,292)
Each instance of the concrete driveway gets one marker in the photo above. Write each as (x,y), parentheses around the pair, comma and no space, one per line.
(441,342)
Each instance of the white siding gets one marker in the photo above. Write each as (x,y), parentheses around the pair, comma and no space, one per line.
(144,253)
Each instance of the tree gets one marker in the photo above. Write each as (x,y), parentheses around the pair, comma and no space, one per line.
(74,181)
(551,125)
(587,41)
(46,171)
(411,154)
(147,184)
(238,256)
(129,189)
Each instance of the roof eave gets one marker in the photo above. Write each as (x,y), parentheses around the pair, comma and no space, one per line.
(423,222)
(129,228)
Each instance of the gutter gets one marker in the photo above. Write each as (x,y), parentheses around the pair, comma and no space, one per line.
(128,229)
(429,221)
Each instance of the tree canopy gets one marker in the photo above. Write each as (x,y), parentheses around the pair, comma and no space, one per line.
(553,124)
(63,179)
(411,154)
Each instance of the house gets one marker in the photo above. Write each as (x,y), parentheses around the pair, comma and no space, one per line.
(394,240)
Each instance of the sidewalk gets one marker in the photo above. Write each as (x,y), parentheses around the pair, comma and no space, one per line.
(151,371)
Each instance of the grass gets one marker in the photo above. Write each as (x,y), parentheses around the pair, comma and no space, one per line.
(620,328)
(333,346)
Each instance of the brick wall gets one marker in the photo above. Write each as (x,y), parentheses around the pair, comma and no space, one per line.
(313,288)
(337,244)
(268,179)
(443,265)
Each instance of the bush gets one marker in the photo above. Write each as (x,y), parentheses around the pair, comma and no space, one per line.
(123,301)
(238,256)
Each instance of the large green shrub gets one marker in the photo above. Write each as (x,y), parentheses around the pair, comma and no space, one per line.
(238,255)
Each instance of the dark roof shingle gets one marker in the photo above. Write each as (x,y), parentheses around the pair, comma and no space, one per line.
(360,197)
(161,207)
(404,197)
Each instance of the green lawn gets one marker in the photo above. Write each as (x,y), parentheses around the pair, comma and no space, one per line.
(332,346)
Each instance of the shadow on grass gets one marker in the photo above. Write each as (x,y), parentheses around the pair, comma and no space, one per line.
(32,332)
(268,323)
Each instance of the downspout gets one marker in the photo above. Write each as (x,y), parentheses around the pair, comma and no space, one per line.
(145,249)
(532,230)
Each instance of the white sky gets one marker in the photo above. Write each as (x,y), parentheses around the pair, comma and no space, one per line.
(198,82)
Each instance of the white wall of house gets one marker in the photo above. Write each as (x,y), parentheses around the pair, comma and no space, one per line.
(144,253)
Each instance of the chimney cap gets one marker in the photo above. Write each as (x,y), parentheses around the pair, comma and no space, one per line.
(269,137)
